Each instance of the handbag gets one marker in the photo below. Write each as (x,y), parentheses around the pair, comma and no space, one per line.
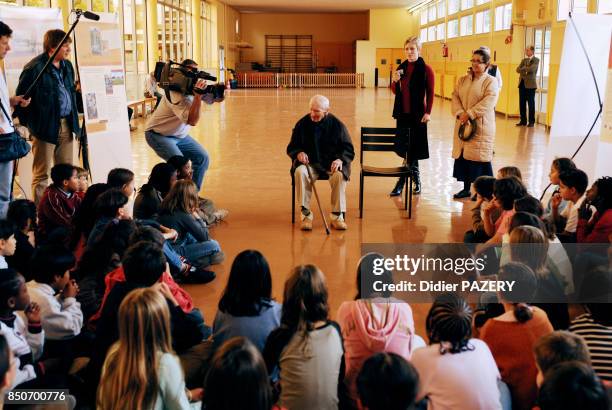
(12,145)
(467,130)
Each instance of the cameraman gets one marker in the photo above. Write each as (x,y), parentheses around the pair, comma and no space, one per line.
(167,130)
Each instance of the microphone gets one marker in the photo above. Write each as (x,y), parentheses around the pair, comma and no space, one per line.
(87,14)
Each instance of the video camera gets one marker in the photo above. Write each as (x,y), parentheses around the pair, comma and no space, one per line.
(183,79)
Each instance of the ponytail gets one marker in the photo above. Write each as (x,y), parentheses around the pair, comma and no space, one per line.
(522,312)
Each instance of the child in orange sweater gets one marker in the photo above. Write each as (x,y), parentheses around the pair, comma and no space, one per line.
(512,336)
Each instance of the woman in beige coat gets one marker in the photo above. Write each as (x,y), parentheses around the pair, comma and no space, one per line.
(474,99)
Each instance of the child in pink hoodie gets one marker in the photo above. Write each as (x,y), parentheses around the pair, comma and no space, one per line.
(373,323)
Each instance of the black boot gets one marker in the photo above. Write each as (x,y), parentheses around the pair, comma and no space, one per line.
(399,186)
(465,192)
(416,188)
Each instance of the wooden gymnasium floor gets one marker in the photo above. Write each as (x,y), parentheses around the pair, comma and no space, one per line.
(246,137)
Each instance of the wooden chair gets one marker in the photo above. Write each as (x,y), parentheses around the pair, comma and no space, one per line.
(294,165)
(383,139)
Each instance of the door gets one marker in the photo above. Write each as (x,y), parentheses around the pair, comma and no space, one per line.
(383,63)
(221,65)
(387,61)
(539,37)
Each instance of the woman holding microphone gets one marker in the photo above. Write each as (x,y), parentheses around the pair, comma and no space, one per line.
(413,86)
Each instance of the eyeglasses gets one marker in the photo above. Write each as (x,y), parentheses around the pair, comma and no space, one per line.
(476,62)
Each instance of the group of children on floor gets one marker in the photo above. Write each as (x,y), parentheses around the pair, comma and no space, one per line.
(90,300)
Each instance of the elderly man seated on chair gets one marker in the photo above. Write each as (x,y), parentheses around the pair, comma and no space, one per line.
(321,142)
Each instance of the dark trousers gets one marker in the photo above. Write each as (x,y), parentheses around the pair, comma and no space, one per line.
(410,121)
(527,97)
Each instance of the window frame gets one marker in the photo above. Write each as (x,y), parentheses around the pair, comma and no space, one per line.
(503,8)
(455,22)
(483,13)
(470,27)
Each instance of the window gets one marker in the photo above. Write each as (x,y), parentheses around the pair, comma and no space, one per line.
(440,32)
(423,17)
(98,5)
(36,3)
(423,36)
(503,17)
(431,33)
(453,28)
(483,22)
(431,12)
(453,6)
(479,2)
(442,9)
(563,9)
(467,4)
(174,29)
(575,6)
(467,25)
(580,6)
(604,7)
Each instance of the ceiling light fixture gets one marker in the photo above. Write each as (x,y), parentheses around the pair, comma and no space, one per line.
(419,6)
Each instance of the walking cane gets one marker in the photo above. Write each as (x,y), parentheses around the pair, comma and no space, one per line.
(312,182)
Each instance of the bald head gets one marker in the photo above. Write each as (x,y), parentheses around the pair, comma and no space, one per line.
(319,107)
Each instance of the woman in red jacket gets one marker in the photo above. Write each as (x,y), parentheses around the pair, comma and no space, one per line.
(413,86)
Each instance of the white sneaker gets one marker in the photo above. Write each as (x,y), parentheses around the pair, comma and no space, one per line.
(337,222)
(306,224)
(220,214)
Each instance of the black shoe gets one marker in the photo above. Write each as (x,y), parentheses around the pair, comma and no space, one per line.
(197,275)
(399,187)
(464,193)
(520,124)
(416,189)
(531,125)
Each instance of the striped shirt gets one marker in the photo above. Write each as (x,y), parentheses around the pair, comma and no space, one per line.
(599,341)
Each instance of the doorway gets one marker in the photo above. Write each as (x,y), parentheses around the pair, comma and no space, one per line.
(539,37)
(387,60)
(222,64)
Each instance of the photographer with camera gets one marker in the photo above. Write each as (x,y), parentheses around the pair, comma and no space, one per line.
(167,130)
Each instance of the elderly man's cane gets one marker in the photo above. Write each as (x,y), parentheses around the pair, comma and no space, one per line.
(312,182)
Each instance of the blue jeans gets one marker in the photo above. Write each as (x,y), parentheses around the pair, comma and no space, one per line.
(197,253)
(6,175)
(169,146)
(172,257)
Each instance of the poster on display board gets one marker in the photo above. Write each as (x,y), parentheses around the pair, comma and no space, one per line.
(572,121)
(104,99)
(29,25)
(606,127)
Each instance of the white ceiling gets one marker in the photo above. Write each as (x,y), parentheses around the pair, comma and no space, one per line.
(305,6)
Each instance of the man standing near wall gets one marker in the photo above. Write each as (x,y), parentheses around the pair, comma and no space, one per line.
(527,86)
(52,117)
